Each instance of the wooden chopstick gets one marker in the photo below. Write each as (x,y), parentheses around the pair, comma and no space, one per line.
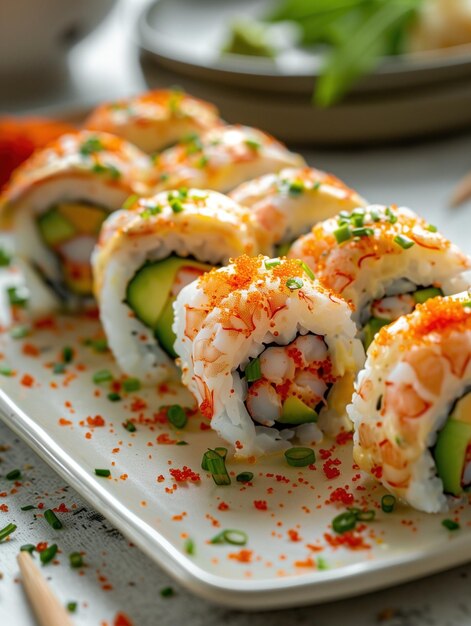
(462,191)
(47,608)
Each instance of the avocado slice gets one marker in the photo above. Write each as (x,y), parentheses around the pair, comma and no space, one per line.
(295,411)
(163,329)
(55,228)
(452,444)
(85,218)
(422,295)
(148,295)
(372,326)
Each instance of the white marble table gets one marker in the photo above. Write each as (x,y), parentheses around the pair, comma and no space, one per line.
(420,176)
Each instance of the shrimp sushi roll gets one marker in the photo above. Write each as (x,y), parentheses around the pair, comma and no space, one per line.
(56,203)
(222,158)
(383,260)
(147,254)
(288,203)
(269,354)
(154,120)
(412,406)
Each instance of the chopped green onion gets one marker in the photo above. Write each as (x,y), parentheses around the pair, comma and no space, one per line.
(252,144)
(28,547)
(294,283)
(90,146)
(167,592)
(131,384)
(296,187)
(244,477)
(231,536)
(217,466)
(388,503)
(392,219)
(58,368)
(5,532)
(307,269)
(99,345)
(67,354)
(5,258)
(6,371)
(450,524)
(202,162)
(28,507)
(189,546)
(403,241)
(362,232)
(182,443)
(48,554)
(422,295)
(344,522)
(271,264)
(71,607)
(222,453)
(300,457)
(75,559)
(52,519)
(375,215)
(114,397)
(343,233)
(130,202)
(253,371)
(17,296)
(13,474)
(19,332)
(322,564)
(176,205)
(431,228)
(129,426)
(357,220)
(102,376)
(105,473)
(177,416)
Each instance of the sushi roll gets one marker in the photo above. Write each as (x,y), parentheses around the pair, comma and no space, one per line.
(222,158)
(55,205)
(288,203)
(269,354)
(412,405)
(147,254)
(383,260)
(154,120)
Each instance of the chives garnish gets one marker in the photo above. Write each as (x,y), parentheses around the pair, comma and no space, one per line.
(177,416)
(176,205)
(90,146)
(17,296)
(167,592)
(362,232)
(374,215)
(253,371)
(19,332)
(272,263)
(322,564)
(403,241)
(52,519)
(99,345)
(294,283)
(202,161)
(450,524)
(28,507)
(307,269)
(342,233)
(131,384)
(222,453)
(300,457)
(9,528)
(5,258)
(48,554)
(6,371)
(114,397)
(71,607)
(67,354)
(75,559)
(244,477)
(129,426)
(388,502)
(344,522)
(234,537)
(181,443)
(431,228)
(59,368)
(130,202)
(296,187)
(252,144)
(216,465)
(189,546)
(28,547)
(13,474)
(102,376)
(103,472)
(391,217)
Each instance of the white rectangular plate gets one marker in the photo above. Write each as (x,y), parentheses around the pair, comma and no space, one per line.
(289,543)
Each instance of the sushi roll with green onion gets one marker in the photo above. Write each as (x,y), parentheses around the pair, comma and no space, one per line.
(412,405)
(269,354)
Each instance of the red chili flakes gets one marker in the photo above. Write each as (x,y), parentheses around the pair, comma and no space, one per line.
(261,505)
(41,546)
(138,404)
(40,505)
(61,508)
(95,421)
(45,323)
(27,380)
(293,535)
(223,506)
(204,426)
(165,439)
(330,468)
(341,495)
(349,539)
(243,556)
(377,471)
(29,349)
(324,454)
(238,445)
(344,437)
(306,563)
(160,478)
(184,475)
(4,508)
(64,422)
(314,548)
(122,619)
